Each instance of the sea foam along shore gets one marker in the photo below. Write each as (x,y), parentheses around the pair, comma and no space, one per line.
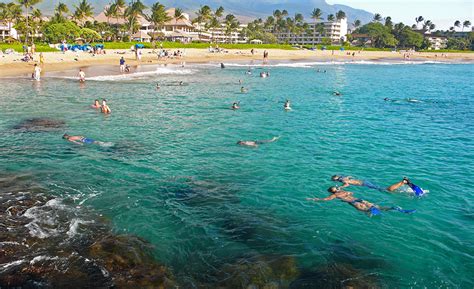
(11,65)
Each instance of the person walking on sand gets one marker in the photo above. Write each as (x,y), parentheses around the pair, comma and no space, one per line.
(122,64)
(82,76)
(41,59)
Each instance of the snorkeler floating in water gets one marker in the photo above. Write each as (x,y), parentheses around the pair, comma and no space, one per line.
(349,180)
(337,93)
(287,105)
(235,105)
(78,139)
(251,143)
(359,204)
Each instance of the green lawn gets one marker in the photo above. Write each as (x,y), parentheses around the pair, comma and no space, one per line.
(18,47)
(173,45)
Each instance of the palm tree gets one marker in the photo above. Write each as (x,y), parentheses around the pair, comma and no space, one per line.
(27,4)
(466,24)
(134,9)
(83,11)
(427,24)
(457,23)
(432,27)
(231,24)
(219,12)
(418,20)
(211,25)
(331,17)
(377,17)
(357,23)
(388,22)
(316,16)
(340,15)
(178,14)
(158,17)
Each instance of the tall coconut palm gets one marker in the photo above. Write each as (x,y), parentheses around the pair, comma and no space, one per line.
(426,24)
(357,23)
(27,4)
(418,20)
(10,12)
(340,15)
(377,17)
(219,12)
(212,25)
(457,23)
(60,10)
(466,24)
(132,12)
(432,27)
(316,16)
(388,22)
(331,17)
(83,11)
(231,25)
(178,14)
(158,17)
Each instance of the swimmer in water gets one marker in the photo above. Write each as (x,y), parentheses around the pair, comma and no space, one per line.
(337,93)
(359,204)
(81,140)
(243,90)
(235,105)
(251,143)
(158,86)
(82,76)
(105,108)
(96,104)
(351,181)
(181,83)
(249,71)
(287,105)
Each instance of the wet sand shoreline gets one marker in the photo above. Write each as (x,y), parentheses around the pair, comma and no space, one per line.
(11,65)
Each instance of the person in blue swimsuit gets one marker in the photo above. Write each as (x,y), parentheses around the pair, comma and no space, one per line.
(349,180)
(77,139)
(359,204)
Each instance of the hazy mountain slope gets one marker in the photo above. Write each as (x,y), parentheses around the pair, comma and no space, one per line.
(250,8)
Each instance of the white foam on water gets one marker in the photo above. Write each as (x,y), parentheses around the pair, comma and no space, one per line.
(75,225)
(142,75)
(9,243)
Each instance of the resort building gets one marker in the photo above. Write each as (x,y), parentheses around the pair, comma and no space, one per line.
(7,31)
(220,35)
(437,42)
(334,31)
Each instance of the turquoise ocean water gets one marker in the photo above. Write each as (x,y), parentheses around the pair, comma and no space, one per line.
(175,176)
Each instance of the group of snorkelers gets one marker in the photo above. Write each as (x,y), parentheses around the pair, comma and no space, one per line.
(104,108)
(339,192)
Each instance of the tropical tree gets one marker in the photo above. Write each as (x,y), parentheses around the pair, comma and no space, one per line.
(427,24)
(457,23)
(357,23)
(59,12)
(418,20)
(83,11)
(132,12)
(340,15)
(388,22)
(178,14)
(380,35)
(231,25)
(27,4)
(432,27)
(377,17)
(158,17)
(466,24)
(331,17)
(10,13)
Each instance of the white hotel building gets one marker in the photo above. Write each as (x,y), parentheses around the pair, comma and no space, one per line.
(335,31)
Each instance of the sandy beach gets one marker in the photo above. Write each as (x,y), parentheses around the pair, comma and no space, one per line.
(11,65)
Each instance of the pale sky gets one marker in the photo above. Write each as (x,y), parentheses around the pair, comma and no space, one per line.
(442,13)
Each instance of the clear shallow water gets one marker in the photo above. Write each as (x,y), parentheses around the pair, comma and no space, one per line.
(176,177)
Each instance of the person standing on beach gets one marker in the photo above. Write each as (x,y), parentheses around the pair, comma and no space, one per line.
(122,64)
(41,59)
(37,73)
(265,56)
(82,76)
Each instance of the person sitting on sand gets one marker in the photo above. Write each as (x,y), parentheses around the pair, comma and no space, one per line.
(105,108)
(359,204)
(235,105)
(349,180)
(81,140)
(287,105)
(96,104)
(82,76)
(251,143)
